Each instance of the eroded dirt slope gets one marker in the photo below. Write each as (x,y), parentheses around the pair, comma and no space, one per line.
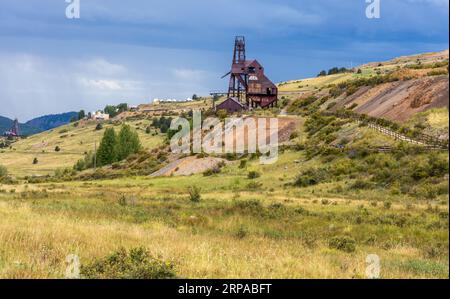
(399,101)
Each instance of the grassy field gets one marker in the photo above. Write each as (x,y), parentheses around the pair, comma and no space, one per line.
(73,143)
(236,230)
(334,196)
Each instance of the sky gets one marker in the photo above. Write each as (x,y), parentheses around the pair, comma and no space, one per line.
(134,51)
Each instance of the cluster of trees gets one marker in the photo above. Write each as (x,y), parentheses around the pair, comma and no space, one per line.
(163,123)
(117,147)
(113,148)
(333,71)
(113,110)
(81,115)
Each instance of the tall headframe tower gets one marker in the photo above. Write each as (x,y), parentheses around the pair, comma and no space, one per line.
(249,86)
(238,77)
(15,127)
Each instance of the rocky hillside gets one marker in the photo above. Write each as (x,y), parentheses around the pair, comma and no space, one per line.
(395,90)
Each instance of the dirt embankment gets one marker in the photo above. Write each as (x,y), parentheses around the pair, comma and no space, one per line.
(187,166)
(400,100)
(193,165)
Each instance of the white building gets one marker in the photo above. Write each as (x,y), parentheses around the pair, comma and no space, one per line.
(98,115)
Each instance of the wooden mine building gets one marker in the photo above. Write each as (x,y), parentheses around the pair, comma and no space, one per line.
(248,85)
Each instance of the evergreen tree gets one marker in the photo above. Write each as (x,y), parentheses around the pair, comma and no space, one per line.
(81,114)
(106,153)
(128,142)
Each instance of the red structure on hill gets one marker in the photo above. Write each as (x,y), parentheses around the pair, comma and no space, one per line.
(248,83)
(14,131)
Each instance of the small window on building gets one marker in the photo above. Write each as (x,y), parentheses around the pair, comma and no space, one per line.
(251,69)
(268,91)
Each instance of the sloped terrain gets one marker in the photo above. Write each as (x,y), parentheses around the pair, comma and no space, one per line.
(400,100)
(72,141)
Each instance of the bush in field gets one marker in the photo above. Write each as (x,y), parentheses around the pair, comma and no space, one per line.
(85,163)
(311,177)
(211,171)
(294,135)
(35,161)
(135,264)
(194,194)
(242,232)
(343,243)
(253,175)
(387,205)
(361,185)
(243,164)
(57,149)
(64,172)
(98,127)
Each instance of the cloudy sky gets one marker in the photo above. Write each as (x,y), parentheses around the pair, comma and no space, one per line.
(134,51)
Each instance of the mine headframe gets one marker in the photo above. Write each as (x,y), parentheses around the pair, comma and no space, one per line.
(238,85)
(15,127)
(248,83)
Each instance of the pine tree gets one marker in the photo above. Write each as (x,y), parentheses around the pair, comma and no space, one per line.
(106,153)
(128,142)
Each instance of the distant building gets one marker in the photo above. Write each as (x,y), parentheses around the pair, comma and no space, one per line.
(133,108)
(231,105)
(98,115)
(14,131)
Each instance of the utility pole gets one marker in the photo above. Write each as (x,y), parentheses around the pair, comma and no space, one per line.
(95,155)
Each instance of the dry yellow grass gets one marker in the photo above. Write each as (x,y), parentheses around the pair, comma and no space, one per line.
(35,246)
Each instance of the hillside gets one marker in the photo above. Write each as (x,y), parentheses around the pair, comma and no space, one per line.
(73,143)
(395,89)
(39,124)
(341,188)
(25,129)
(47,122)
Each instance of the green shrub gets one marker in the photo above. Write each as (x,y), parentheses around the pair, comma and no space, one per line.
(242,232)
(293,135)
(35,161)
(311,177)
(343,243)
(325,201)
(252,206)
(135,264)
(253,175)
(194,194)
(243,164)
(122,200)
(211,171)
